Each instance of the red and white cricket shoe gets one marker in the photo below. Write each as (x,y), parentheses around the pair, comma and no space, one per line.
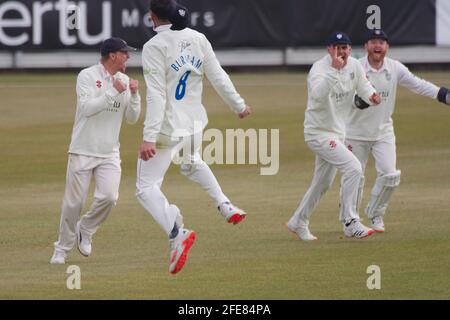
(355,229)
(378,224)
(180,247)
(231,213)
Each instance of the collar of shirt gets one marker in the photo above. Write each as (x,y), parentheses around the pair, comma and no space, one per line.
(368,67)
(105,74)
(163,27)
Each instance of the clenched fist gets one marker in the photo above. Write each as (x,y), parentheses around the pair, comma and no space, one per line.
(134,85)
(119,85)
(247,111)
(375,98)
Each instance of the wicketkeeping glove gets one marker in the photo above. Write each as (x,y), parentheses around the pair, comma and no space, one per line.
(360,103)
(444,95)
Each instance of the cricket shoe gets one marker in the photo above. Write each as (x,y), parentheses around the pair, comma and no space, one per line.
(180,246)
(302,232)
(356,229)
(84,242)
(59,257)
(231,213)
(378,224)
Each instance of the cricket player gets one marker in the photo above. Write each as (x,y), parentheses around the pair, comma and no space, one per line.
(371,131)
(105,96)
(332,83)
(174,64)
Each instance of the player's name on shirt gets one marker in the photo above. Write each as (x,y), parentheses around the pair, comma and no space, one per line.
(384,95)
(114,108)
(186,59)
(340,96)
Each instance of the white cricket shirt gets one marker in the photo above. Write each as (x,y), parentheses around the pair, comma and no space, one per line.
(100,111)
(174,64)
(330,96)
(375,123)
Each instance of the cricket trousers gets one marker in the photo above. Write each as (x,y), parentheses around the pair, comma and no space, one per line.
(80,169)
(388,177)
(331,155)
(150,176)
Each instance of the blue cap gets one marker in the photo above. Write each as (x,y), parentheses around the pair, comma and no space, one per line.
(376,34)
(180,18)
(338,38)
(114,45)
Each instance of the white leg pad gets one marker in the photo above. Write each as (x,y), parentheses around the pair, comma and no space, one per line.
(382,193)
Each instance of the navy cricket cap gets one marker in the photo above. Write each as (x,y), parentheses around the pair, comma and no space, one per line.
(114,45)
(338,38)
(376,34)
(180,18)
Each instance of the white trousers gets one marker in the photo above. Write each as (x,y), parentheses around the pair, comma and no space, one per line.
(384,154)
(80,169)
(150,176)
(331,155)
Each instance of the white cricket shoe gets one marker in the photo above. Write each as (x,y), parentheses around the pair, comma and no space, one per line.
(84,242)
(302,231)
(378,224)
(357,230)
(231,213)
(59,257)
(179,248)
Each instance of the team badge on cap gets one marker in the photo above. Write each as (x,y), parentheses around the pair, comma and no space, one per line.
(376,34)
(338,38)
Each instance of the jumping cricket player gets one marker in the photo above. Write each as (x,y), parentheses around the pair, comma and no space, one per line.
(174,64)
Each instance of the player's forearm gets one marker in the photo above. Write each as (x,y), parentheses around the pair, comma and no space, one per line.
(223,85)
(93,106)
(134,109)
(321,85)
(154,116)
(365,90)
(417,85)
(422,87)
(228,93)
(151,130)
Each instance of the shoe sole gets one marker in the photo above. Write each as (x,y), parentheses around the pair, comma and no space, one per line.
(188,242)
(77,231)
(369,233)
(296,235)
(236,218)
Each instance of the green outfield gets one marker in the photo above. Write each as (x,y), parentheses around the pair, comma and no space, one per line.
(257,259)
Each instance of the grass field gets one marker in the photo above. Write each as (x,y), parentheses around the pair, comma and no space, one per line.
(257,259)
